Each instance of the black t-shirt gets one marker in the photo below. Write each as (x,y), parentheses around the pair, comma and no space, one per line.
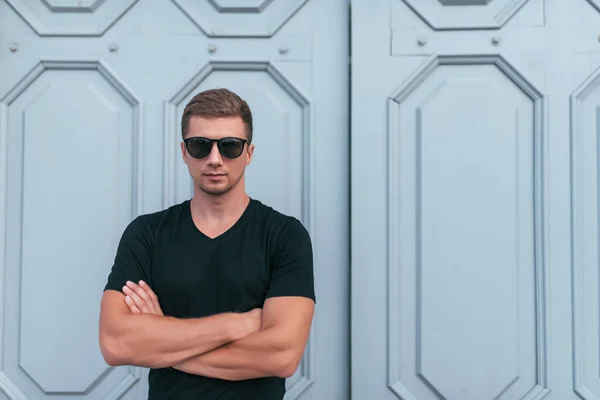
(264,254)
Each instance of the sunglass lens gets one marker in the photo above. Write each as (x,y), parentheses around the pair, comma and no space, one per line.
(199,147)
(231,147)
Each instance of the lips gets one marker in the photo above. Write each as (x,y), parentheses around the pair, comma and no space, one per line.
(214,176)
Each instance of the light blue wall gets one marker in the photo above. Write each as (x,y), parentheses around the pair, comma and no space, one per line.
(91,95)
(475,199)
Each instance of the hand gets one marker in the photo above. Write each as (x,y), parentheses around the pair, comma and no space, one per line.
(141,299)
(253,321)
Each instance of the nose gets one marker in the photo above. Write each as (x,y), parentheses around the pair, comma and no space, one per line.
(214,157)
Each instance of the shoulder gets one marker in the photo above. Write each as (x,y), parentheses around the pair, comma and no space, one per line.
(147,224)
(284,231)
(278,224)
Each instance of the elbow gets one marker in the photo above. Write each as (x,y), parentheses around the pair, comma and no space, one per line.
(112,352)
(116,352)
(286,372)
(290,360)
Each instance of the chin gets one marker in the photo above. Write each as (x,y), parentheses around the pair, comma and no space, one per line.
(214,190)
(217,188)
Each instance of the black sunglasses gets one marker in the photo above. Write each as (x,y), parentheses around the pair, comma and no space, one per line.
(200,147)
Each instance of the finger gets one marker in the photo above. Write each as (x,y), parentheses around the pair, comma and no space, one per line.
(141,304)
(153,297)
(148,305)
(141,293)
(144,292)
(148,290)
(132,307)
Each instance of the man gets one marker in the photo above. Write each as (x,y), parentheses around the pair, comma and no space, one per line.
(214,294)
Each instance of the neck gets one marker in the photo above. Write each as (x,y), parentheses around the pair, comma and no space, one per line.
(219,208)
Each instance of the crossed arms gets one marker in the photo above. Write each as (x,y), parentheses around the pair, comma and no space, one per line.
(231,346)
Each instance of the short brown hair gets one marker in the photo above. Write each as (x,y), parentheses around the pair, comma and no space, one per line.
(215,103)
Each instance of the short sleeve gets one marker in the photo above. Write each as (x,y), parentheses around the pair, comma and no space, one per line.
(292,263)
(133,257)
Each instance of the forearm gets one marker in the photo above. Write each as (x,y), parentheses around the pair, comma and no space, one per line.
(156,341)
(196,366)
(265,353)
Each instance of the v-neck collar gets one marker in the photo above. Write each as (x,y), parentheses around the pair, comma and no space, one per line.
(188,217)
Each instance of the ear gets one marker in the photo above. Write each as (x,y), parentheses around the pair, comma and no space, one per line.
(183,152)
(249,154)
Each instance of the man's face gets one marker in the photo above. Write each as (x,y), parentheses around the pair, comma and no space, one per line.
(216,174)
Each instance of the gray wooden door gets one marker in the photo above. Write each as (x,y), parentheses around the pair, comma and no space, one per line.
(475,199)
(91,94)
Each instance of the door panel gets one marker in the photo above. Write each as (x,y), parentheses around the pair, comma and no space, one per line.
(585,101)
(463,281)
(240,18)
(91,96)
(283,122)
(71,178)
(462,216)
(71,18)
